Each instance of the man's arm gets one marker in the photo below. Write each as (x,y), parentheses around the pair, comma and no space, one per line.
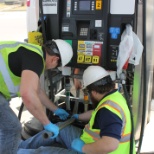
(85,116)
(29,90)
(104,145)
(111,126)
(46,101)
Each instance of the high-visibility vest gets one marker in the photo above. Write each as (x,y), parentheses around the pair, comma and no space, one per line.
(9,83)
(116,103)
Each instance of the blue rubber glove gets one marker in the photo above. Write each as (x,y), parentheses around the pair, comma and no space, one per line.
(77,145)
(61,113)
(52,128)
(75,116)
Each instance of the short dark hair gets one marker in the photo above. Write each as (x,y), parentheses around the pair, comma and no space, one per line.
(51,48)
(101,86)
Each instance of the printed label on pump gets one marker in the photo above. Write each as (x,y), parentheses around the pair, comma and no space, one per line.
(49,6)
(98,5)
(68,12)
(87,59)
(89,52)
(80,58)
(95,59)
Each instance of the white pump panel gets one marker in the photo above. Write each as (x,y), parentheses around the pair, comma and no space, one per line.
(122,6)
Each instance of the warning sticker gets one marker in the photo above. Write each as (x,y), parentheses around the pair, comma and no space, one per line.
(95,59)
(87,59)
(80,58)
(49,6)
(89,52)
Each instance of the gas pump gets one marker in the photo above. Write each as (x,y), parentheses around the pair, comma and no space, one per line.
(94,29)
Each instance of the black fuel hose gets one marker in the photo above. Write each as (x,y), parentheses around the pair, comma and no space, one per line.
(144,108)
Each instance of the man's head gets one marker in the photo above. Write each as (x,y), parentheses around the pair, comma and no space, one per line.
(58,53)
(98,82)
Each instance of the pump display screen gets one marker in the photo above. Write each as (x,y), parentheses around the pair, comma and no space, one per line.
(84,5)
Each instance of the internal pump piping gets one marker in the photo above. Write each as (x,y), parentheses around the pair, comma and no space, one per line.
(62,125)
(67,88)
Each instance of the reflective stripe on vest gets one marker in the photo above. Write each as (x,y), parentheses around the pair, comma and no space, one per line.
(17,43)
(96,136)
(4,71)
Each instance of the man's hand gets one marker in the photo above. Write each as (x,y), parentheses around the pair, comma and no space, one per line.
(52,128)
(77,145)
(61,113)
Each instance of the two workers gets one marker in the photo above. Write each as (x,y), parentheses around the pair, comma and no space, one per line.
(108,126)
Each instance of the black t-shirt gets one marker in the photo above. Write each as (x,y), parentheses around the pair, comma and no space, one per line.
(23,59)
(108,123)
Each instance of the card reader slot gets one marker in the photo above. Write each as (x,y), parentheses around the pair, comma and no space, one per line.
(70,34)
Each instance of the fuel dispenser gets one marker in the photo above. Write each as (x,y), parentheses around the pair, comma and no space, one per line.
(94,29)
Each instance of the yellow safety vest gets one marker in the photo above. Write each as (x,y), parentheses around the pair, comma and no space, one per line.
(9,83)
(116,103)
